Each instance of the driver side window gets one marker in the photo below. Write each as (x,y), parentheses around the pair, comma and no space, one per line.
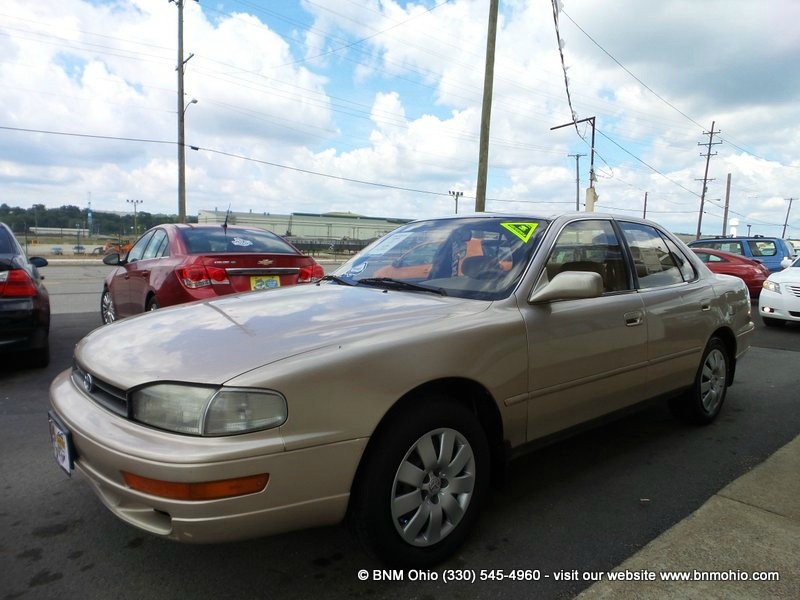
(590,246)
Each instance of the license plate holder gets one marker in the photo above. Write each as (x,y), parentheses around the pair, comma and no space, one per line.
(61,439)
(264,282)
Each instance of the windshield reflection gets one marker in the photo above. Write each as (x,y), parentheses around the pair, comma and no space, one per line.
(479,257)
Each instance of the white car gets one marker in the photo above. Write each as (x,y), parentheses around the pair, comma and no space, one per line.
(780,299)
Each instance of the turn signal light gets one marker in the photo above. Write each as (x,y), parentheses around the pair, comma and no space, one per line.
(204,490)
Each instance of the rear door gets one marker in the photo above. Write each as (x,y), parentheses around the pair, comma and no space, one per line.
(677,304)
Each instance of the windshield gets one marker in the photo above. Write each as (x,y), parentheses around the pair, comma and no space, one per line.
(471,257)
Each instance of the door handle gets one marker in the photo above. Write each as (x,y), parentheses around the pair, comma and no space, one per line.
(633,318)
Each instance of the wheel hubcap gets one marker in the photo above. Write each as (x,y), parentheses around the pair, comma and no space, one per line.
(108,308)
(433,487)
(713,380)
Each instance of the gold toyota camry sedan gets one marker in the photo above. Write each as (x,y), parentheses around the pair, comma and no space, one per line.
(394,401)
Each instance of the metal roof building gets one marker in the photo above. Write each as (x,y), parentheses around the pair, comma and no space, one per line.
(330,227)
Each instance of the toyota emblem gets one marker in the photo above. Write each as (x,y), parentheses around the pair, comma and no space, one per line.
(88,383)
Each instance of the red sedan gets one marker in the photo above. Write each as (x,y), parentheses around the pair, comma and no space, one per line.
(172,264)
(751,271)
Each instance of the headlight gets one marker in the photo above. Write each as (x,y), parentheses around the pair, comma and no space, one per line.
(207,411)
(772,286)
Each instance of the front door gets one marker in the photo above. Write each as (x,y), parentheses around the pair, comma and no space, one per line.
(587,357)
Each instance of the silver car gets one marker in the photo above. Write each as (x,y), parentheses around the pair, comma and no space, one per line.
(394,399)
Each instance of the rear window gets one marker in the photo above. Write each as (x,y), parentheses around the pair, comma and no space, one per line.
(732,247)
(763,247)
(201,241)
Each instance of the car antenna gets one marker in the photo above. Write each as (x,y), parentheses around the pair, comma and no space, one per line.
(225,224)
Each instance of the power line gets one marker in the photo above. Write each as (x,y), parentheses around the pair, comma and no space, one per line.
(629,72)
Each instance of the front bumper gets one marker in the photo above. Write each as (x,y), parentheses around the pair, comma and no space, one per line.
(784,306)
(307,487)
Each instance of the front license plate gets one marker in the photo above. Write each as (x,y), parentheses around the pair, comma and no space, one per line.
(62,444)
(264,282)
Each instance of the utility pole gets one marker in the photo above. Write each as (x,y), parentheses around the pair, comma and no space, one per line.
(486,109)
(708,156)
(644,212)
(456,196)
(727,205)
(786,222)
(181,116)
(577,180)
(591,194)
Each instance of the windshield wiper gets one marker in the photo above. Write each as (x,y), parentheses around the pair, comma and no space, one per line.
(399,284)
(337,279)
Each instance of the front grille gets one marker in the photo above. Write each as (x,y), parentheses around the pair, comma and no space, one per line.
(794,289)
(102,392)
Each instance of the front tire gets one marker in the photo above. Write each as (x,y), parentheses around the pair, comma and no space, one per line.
(422,484)
(108,312)
(703,402)
(152,304)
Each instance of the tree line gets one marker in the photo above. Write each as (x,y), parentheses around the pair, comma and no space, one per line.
(99,223)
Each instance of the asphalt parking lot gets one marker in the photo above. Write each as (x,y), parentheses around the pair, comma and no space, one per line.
(583,505)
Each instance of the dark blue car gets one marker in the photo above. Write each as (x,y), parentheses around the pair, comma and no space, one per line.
(24,303)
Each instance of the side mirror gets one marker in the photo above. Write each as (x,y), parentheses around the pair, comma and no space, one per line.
(570,285)
(112,259)
(38,261)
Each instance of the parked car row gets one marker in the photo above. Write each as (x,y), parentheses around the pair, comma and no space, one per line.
(770,251)
(389,397)
(769,267)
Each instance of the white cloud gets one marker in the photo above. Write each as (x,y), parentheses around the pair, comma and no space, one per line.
(390,93)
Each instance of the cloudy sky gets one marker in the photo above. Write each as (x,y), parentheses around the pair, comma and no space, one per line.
(374,106)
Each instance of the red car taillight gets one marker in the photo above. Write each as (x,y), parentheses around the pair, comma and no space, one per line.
(311,273)
(17,284)
(198,276)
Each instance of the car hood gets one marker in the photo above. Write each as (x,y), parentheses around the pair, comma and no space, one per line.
(788,275)
(216,340)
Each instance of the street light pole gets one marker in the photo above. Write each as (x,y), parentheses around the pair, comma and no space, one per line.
(135,203)
(456,196)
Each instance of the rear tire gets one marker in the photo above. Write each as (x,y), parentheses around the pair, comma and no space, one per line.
(701,404)
(422,484)
(152,304)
